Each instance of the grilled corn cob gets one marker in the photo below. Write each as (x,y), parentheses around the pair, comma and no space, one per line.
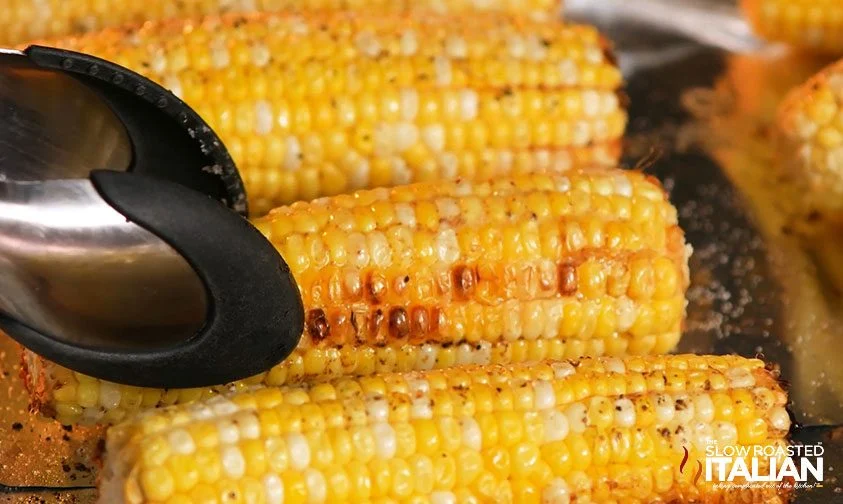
(595,430)
(436,274)
(23,20)
(809,24)
(320,104)
(810,147)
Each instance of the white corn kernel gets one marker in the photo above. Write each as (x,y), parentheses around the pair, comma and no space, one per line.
(623,186)
(468,104)
(664,409)
(624,413)
(448,208)
(456,47)
(704,408)
(556,492)
(292,155)
(317,489)
(405,214)
(385,442)
(421,408)
(409,104)
(109,397)
(409,43)
(740,377)
(443,498)
(173,84)
(367,43)
(434,137)
(405,135)
(472,437)
(725,433)
(442,71)
(482,353)
(545,398)
(684,408)
(377,408)
(222,406)
(614,365)
(418,387)
(464,354)
(233,463)
(299,451)
(228,432)
(447,246)
(219,53)
(779,418)
(273,489)
(263,117)
(626,313)
(555,425)
(703,435)
(248,425)
(562,370)
(260,54)
(181,442)
(401,173)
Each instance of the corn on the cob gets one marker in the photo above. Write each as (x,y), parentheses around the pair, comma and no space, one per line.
(23,20)
(320,104)
(436,274)
(810,24)
(810,148)
(595,430)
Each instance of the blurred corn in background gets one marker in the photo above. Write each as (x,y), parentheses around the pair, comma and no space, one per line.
(815,25)
(23,20)
(809,157)
(810,147)
(437,274)
(323,103)
(595,430)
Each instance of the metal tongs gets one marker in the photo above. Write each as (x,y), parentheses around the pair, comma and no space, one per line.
(124,251)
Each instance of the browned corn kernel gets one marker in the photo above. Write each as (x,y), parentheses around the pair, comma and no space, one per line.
(324,103)
(592,430)
(436,274)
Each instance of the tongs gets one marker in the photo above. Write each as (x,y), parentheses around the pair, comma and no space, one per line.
(125,253)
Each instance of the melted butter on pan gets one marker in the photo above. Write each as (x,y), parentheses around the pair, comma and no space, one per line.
(734,125)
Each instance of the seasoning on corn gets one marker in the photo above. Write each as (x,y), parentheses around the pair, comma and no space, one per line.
(595,430)
(810,148)
(324,103)
(810,24)
(24,20)
(436,274)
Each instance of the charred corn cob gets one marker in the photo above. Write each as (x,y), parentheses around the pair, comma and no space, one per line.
(810,146)
(321,104)
(23,20)
(809,24)
(595,430)
(436,274)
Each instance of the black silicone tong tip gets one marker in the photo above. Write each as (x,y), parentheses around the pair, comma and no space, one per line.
(170,140)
